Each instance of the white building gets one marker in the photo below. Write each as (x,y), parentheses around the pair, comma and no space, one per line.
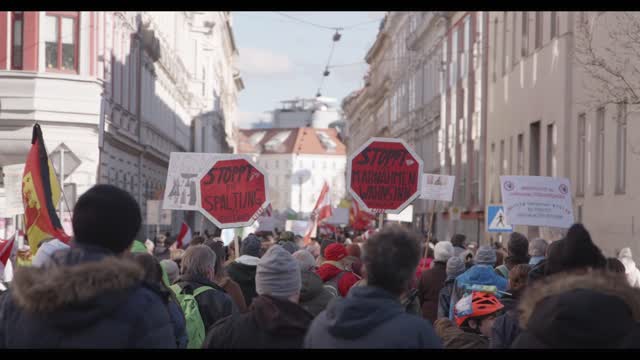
(320,112)
(298,161)
(119,90)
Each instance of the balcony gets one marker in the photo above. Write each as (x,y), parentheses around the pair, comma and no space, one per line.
(424,22)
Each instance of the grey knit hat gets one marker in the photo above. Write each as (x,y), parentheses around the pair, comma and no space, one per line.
(305,260)
(485,255)
(251,246)
(278,274)
(455,267)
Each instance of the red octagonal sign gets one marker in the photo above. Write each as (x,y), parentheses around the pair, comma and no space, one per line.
(232,193)
(384,175)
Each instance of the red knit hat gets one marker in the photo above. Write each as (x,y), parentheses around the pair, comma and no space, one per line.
(335,252)
(353,250)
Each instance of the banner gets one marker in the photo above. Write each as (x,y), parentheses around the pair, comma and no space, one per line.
(299,227)
(537,201)
(180,187)
(156,215)
(437,187)
(405,216)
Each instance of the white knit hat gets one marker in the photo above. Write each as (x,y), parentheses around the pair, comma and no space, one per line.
(443,251)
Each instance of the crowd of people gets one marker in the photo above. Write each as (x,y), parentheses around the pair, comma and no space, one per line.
(391,290)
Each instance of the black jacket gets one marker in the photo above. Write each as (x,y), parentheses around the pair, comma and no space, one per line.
(84,299)
(213,304)
(369,317)
(245,276)
(505,328)
(270,323)
(444,298)
(537,272)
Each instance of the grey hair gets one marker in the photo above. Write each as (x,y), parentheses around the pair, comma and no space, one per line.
(198,260)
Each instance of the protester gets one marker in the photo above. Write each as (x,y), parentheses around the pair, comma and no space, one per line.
(275,319)
(455,267)
(153,276)
(337,278)
(314,248)
(458,241)
(506,328)
(243,269)
(432,281)
(371,316)
(353,261)
(518,253)
(198,278)
(161,251)
(576,252)
(172,269)
(500,253)
(537,251)
(199,239)
(425,262)
(313,295)
(474,315)
(89,296)
(46,251)
(633,274)
(222,279)
(481,273)
(323,246)
(593,309)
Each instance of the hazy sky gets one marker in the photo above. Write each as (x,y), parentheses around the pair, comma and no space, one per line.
(281,58)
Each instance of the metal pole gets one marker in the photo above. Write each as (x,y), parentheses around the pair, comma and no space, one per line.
(61,182)
(300,196)
(432,214)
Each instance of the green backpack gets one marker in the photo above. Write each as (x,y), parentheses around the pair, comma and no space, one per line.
(195,326)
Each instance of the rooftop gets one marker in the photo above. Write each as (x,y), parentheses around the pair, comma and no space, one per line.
(291,141)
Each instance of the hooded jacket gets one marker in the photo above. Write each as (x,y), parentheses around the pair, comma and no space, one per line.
(213,304)
(86,298)
(313,296)
(270,323)
(243,272)
(455,338)
(480,274)
(505,328)
(431,282)
(369,317)
(592,310)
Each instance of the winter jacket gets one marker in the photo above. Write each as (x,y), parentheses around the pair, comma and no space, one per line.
(455,338)
(424,265)
(330,270)
(591,310)
(537,272)
(235,292)
(213,304)
(479,274)
(369,317)
(270,323)
(631,270)
(313,295)
(505,328)
(431,282)
(444,298)
(243,271)
(457,251)
(85,298)
(179,324)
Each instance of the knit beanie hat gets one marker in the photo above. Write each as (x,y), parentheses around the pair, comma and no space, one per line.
(518,245)
(455,267)
(251,246)
(538,247)
(305,260)
(443,251)
(485,255)
(278,274)
(290,246)
(171,268)
(335,252)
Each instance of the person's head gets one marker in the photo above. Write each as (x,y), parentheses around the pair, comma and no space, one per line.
(477,312)
(286,236)
(106,216)
(221,256)
(485,256)
(197,240)
(305,260)
(251,246)
(518,277)
(172,270)
(615,266)
(538,247)
(324,244)
(455,267)
(278,275)
(290,246)
(625,253)
(354,250)
(518,245)
(458,240)
(151,266)
(176,255)
(335,252)
(443,251)
(199,261)
(576,252)
(390,259)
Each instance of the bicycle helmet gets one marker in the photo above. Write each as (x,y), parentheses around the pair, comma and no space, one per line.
(476,305)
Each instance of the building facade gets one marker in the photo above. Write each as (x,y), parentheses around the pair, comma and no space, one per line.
(118,90)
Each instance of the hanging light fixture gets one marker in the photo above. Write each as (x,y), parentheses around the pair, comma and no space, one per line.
(336,36)
(326,72)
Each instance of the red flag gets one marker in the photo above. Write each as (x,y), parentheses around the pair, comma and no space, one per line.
(184,237)
(321,211)
(5,252)
(40,194)
(358,218)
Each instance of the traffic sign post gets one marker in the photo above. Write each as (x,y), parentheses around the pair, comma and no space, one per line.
(232,192)
(496,220)
(384,175)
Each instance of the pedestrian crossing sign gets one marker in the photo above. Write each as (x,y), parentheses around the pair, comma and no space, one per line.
(496,220)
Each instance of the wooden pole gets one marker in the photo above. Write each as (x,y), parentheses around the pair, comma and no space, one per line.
(432,214)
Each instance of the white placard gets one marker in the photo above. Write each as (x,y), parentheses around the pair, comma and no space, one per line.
(437,187)
(339,216)
(537,201)
(180,191)
(299,227)
(405,216)
(227,236)
(13,190)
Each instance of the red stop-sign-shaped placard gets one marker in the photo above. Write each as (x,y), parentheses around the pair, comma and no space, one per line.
(384,175)
(232,193)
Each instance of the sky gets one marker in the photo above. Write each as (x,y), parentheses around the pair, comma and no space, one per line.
(282,58)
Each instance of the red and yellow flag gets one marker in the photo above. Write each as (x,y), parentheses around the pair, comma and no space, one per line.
(40,194)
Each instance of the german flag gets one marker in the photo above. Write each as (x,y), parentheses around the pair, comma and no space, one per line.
(40,194)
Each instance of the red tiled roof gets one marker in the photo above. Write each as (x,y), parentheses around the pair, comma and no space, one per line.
(290,141)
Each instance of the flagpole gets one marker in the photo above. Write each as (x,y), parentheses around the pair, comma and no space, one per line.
(430,233)
(61,181)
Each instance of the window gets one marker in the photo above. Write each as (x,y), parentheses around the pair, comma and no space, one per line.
(503,165)
(495,48)
(510,155)
(61,39)
(599,169)
(621,149)
(539,19)
(582,154)
(551,150)
(525,34)
(505,58)
(453,72)
(534,149)
(17,30)
(464,56)
(514,58)
(520,154)
(554,24)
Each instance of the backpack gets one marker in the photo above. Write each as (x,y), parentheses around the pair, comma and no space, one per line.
(195,326)
(332,285)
